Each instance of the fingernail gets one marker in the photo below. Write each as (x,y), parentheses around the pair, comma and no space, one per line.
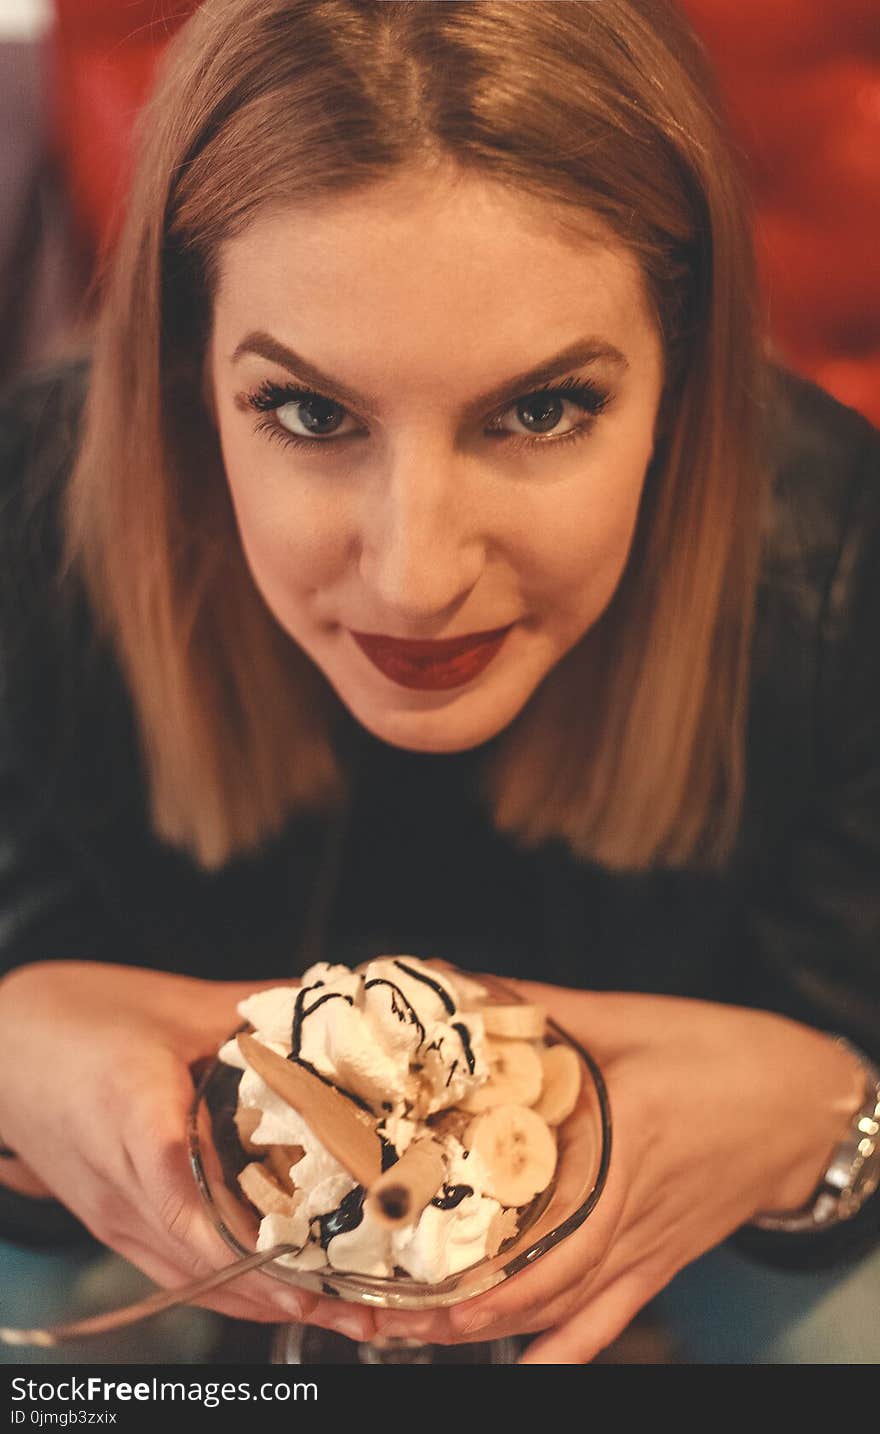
(469,1324)
(294,1307)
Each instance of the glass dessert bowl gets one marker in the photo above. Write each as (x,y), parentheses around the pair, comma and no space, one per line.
(583,1145)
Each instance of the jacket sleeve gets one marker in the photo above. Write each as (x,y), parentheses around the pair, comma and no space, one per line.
(812,938)
(46,906)
(815,898)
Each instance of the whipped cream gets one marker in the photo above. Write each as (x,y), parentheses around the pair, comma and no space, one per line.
(390,1036)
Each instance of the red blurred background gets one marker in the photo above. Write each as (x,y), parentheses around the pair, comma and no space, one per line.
(802,85)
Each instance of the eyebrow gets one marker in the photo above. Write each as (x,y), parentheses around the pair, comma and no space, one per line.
(575,355)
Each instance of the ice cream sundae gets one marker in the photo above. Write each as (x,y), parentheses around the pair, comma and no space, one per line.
(397,1119)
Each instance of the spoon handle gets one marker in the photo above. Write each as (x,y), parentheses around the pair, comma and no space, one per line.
(154,1304)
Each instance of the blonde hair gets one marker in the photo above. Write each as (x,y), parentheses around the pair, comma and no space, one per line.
(632,749)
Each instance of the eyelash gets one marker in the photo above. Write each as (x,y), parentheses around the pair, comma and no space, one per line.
(588,396)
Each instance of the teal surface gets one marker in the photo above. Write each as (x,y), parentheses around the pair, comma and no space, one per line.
(725,1309)
(39,1287)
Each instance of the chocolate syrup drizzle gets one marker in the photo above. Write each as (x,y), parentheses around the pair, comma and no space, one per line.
(405,1013)
(300,1012)
(452,1196)
(347,1216)
(465,1035)
(408,1013)
(429,981)
(349,1213)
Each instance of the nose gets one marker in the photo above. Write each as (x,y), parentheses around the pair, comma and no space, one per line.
(421,549)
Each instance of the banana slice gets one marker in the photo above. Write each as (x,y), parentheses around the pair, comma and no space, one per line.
(520,1022)
(263,1190)
(515,1076)
(518,1149)
(562,1084)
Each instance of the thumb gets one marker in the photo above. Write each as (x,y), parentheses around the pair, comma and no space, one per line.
(608,1023)
(561,1002)
(225,995)
(218,1014)
(231,992)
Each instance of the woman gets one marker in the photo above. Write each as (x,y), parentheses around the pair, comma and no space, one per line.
(411,538)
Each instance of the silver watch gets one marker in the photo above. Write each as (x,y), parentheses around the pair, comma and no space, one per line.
(853,1174)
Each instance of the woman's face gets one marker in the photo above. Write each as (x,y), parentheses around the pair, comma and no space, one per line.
(436,412)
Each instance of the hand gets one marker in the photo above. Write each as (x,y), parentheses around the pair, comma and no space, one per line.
(94,1102)
(718,1113)
(17,1176)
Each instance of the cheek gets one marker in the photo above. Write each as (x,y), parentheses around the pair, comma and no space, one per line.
(578,538)
(294,536)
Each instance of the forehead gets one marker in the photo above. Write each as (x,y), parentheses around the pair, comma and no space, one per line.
(427,261)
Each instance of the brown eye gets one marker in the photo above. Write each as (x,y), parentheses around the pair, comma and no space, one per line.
(535,419)
(312,417)
(541,412)
(539,415)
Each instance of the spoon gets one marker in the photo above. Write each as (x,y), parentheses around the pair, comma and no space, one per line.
(154,1304)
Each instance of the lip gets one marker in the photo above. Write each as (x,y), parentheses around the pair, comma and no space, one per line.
(432,666)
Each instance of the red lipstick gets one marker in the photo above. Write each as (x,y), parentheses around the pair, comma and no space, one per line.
(432,666)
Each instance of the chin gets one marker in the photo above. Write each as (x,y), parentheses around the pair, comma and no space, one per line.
(443,730)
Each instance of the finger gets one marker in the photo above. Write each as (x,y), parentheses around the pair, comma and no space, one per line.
(521,1304)
(227,1300)
(559,1001)
(596,1325)
(608,1023)
(18,1176)
(160,1185)
(429,1326)
(482,1319)
(196,1250)
(646,1264)
(162,1225)
(352,1320)
(524,1305)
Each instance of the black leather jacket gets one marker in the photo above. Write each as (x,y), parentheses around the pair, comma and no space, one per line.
(792,925)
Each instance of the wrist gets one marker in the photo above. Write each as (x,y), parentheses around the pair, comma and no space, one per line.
(850,1171)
